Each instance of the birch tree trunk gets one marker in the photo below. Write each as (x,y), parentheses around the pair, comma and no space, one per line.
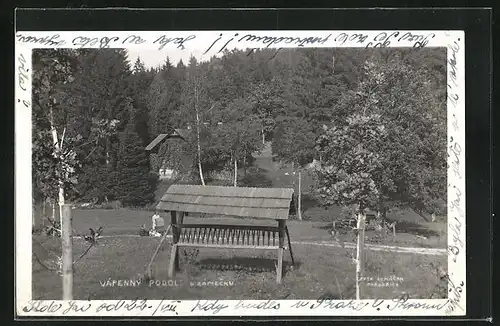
(58,143)
(53,209)
(235,171)
(245,165)
(299,202)
(67,252)
(61,201)
(360,253)
(200,170)
(107,150)
(43,212)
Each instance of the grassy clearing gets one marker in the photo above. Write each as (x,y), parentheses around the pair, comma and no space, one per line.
(127,221)
(247,274)
(319,271)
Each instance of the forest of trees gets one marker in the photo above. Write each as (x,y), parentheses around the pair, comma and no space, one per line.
(374,118)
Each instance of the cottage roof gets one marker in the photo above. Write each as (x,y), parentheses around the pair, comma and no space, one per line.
(176,133)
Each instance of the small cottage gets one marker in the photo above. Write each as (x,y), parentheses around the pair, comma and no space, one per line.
(177,160)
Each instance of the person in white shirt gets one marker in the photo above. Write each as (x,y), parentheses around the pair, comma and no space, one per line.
(157,223)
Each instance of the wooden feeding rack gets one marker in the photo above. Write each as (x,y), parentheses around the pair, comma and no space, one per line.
(259,203)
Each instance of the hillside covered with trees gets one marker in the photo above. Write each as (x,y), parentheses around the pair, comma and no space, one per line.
(375,120)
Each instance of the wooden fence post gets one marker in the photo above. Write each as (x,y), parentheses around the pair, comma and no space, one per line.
(360,255)
(281,235)
(67,253)
(173,265)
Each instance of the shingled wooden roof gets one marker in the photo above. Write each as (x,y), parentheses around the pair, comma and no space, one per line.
(176,133)
(156,141)
(270,203)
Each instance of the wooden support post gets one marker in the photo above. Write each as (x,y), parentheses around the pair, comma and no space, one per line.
(174,256)
(281,231)
(360,253)
(289,244)
(67,253)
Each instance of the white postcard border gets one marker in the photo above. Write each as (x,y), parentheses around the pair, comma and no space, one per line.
(210,42)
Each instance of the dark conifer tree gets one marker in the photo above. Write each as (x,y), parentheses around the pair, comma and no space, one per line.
(135,184)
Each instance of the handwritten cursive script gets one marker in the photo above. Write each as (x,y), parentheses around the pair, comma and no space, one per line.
(452,61)
(164,40)
(133,39)
(169,306)
(265,305)
(276,40)
(42,306)
(382,40)
(209,305)
(102,42)
(455,203)
(355,37)
(404,303)
(456,227)
(452,95)
(49,40)
(22,71)
(76,307)
(453,251)
(331,303)
(419,40)
(121,304)
(454,296)
(456,150)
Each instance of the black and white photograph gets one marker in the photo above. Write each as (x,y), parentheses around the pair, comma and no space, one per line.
(299,172)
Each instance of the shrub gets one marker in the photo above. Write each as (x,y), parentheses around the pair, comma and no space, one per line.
(255,180)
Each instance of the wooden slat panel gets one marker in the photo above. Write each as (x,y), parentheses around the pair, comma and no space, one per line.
(220,234)
(227,246)
(227,226)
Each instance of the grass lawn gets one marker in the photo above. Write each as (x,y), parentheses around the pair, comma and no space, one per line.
(127,221)
(244,274)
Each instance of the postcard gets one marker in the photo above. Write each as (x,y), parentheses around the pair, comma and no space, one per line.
(240,173)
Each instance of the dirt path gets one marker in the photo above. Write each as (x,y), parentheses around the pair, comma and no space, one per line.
(398,249)
(348,245)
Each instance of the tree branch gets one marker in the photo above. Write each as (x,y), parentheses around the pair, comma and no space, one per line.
(39,260)
(42,264)
(84,253)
